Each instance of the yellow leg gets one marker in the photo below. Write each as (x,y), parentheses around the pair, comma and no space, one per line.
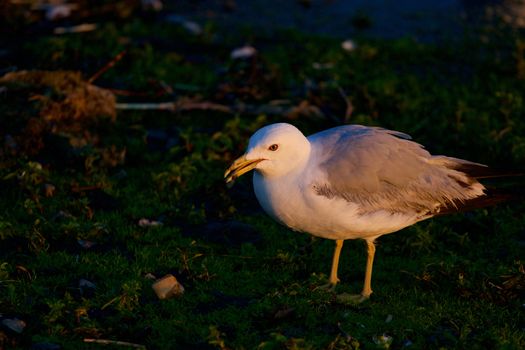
(367,288)
(335,262)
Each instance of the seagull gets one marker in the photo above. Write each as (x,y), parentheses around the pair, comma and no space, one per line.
(354,182)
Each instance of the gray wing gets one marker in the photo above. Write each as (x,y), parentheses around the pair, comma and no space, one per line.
(383,170)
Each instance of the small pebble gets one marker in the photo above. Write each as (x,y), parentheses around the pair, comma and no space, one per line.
(168,287)
(348,45)
(14,324)
(150,276)
(407,343)
(152,5)
(86,244)
(243,52)
(283,313)
(46,346)
(192,27)
(149,223)
(83,283)
(59,11)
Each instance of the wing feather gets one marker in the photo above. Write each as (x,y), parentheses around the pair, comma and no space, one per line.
(384,170)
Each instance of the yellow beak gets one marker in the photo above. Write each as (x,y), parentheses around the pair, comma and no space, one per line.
(239,167)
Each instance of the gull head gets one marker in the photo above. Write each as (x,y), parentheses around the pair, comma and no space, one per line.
(273,150)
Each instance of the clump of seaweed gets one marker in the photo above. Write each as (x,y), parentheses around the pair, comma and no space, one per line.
(56,102)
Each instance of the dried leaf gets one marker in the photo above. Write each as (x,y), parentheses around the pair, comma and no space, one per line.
(49,190)
(66,104)
(383,341)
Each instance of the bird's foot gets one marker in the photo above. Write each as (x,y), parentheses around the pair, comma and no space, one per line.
(351,299)
(328,287)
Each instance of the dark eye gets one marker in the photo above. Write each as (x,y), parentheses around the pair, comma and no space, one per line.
(273,147)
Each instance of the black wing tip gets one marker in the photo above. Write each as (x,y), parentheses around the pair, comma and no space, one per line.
(492,197)
(481,171)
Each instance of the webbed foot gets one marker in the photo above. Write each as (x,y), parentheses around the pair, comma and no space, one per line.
(351,299)
(328,287)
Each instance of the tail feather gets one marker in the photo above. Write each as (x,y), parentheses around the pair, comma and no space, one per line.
(491,197)
(500,186)
(479,171)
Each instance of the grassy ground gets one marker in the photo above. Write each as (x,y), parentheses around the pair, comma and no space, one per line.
(70,210)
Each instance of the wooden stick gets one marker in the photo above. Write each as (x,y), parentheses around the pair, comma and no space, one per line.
(128,92)
(190,105)
(81,28)
(175,106)
(162,106)
(114,342)
(108,66)
(86,188)
(349,105)
(186,105)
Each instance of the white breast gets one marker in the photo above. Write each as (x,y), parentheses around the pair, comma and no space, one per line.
(298,207)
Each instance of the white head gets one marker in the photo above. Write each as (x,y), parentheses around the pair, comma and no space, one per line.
(274,150)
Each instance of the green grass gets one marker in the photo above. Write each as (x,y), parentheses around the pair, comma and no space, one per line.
(448,283)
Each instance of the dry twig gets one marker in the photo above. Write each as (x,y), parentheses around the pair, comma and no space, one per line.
(81,28)
(114,342)
(107,66)
(288,111)
(349,105)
